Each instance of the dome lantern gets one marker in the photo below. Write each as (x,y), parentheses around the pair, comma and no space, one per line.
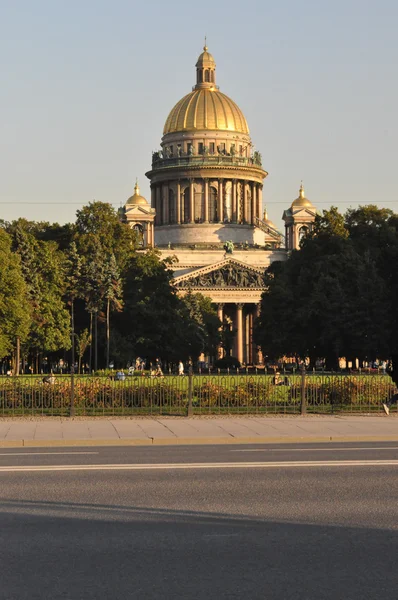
(205,70)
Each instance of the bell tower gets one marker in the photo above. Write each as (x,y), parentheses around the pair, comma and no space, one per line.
(299,220)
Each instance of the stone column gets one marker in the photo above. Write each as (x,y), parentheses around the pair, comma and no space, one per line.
(158,206)
(206,200)
(260,201)
(153,196)
(178,203)
(234,210)
(220,201)
(254,203)
(244,194)
(220,315)
(238,195)
(166,205)
(191,201)
(259,354)
(239,333)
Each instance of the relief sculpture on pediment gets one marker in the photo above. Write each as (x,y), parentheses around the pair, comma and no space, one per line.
(228,276)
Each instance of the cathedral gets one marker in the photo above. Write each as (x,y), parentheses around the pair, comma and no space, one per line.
(207,210)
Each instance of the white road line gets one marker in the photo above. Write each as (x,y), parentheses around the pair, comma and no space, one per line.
(312,449)
(42,453)
(188,466)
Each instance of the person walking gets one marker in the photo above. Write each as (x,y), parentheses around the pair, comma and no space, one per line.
(181,368)
(389,402)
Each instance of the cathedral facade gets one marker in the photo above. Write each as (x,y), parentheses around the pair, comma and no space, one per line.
(207,208)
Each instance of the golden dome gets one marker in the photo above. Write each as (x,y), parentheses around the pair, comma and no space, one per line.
(206,109)
(301,201)
(205,58)
(136,199)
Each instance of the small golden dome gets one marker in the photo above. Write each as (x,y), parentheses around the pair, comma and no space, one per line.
(206,108)
(205,59)
(301,201)
(136,199)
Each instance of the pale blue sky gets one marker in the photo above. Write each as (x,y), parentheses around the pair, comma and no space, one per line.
(86,87)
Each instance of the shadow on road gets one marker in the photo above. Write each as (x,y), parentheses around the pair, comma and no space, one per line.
(71,550)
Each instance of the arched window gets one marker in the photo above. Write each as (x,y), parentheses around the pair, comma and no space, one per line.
(139,231)
(213,215)
(207,76)
(172,207)
(199,204)
(303,231)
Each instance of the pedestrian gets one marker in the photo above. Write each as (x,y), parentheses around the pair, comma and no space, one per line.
(389,402)
(159,372)
(181,368)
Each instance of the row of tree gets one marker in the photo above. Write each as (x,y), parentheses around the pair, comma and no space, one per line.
(86,286)
(338,295)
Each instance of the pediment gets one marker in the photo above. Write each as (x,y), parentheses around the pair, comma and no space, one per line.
(138,210)
(229,273)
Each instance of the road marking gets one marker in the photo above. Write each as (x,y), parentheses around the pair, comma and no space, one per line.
(187,466)
(311,449)
(42,453)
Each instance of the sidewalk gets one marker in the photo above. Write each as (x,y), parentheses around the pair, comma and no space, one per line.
(196,430)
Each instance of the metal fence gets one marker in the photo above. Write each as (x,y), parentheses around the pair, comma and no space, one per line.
(193,394)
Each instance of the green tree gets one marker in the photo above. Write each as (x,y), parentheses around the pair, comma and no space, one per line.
(98,227)
(14,304)
(93,282)
(113,296)
(43,270)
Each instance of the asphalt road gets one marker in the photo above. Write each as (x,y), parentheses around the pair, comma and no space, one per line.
(273,522)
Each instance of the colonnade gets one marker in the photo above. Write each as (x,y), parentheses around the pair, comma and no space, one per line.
(241,317)
(207,200)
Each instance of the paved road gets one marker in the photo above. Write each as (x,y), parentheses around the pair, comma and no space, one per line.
(200,522)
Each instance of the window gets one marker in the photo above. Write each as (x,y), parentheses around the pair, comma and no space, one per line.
(211,147)
(207,76)
(200,148)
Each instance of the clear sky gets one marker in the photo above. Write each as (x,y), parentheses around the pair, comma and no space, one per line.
(86,86)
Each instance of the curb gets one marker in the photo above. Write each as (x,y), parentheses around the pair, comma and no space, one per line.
(199,441)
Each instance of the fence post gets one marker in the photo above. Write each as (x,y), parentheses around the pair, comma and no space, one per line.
(303,399)
(190,388)
(72,391)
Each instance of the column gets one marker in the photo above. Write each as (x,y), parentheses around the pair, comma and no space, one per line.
(191,201)
(239,334)
(166,205)
(246,353)
(220,201)
(260,201)
(153,196)
(150,234)
(234,211)
(259,357)
(206,200)
(178,202)
(220,314)
(158,206)
(254,203)
(244,189)
(238,211)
